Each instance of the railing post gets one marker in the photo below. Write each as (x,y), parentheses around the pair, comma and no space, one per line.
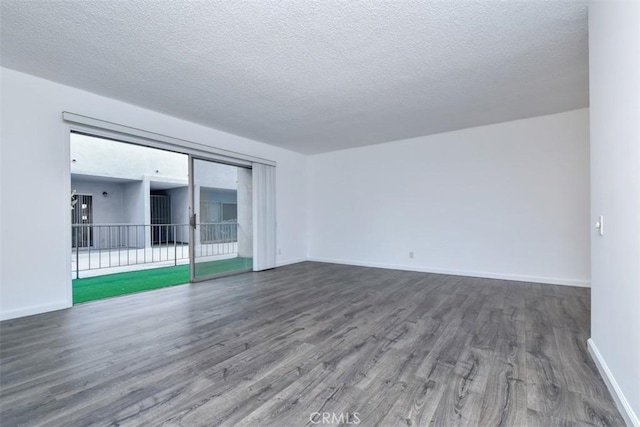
(77,256)
(110,246)
(127,231)
(175,247)
(89,252)
(118,244)
(144,243)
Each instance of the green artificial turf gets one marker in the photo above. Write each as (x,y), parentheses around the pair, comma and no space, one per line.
(216,267)
(111,285)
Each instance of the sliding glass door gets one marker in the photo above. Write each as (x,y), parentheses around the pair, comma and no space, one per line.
(149,211)
(221,221)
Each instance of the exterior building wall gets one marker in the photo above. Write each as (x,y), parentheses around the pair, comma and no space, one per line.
(180,211)
(101,157)
(136,211)
(106,209)
(218,195)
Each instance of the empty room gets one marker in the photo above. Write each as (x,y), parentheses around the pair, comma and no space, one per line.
(298,213)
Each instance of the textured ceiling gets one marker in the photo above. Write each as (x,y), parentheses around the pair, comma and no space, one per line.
(312,76)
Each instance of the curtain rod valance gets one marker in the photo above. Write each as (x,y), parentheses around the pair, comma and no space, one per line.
(167,142)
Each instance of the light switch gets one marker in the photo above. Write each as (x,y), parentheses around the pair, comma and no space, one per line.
(600,225)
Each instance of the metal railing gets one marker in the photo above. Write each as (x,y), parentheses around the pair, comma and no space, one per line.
(103,246)
(219,232)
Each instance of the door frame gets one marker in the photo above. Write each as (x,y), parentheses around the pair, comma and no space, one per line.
(79,123)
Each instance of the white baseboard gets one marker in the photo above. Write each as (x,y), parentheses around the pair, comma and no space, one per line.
(290,261)
(482,274)
(621,401)
(28,311)
(36,309)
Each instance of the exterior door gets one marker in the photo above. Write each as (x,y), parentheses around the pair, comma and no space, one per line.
(81,221)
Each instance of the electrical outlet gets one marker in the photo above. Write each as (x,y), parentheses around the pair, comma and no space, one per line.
(411,255)
(279,251)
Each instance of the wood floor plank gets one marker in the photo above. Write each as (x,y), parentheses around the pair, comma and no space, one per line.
(272,348)
(508,404)
(462,400)
(416,404)
(538,419)
(582,375)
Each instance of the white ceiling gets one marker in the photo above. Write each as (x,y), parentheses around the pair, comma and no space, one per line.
(312,76)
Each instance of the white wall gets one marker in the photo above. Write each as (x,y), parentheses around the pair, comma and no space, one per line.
(35,160)
(509,201)
(614,69)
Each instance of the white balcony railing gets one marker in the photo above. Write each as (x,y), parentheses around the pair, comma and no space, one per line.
(114,246)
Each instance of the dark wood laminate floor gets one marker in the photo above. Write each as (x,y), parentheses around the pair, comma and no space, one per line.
(380,346)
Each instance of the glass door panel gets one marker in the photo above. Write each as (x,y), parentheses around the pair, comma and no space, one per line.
(221,219)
